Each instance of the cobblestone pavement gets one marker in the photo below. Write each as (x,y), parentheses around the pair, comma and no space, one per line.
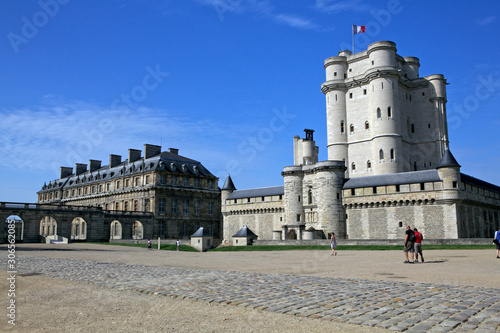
(397,306)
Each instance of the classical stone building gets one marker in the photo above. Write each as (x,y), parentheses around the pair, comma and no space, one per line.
(180,193)
(389,163)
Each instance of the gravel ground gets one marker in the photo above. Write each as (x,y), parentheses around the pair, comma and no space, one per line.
(50,304)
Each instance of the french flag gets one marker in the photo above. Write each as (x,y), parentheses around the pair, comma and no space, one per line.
(358,29)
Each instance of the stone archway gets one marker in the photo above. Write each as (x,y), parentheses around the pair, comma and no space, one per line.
(48,226)
(18,223)
(78,229)
(292,234)
(116,230)
(137,230)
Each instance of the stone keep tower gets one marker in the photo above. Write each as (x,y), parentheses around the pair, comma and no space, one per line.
(313,191)
(381,116)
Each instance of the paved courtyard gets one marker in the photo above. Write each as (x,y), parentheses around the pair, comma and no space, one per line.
(392,305)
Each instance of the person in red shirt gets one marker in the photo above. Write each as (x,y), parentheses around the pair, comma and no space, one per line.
(418,245)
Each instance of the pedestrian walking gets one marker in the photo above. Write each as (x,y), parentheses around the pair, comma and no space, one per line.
(497,243)
(149,244)
(409,244)
(418,244)
(333,244)
(178,243)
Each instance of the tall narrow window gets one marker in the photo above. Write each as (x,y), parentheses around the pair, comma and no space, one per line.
(197,206)
(381,154)
(342,126)
(379,113)
(351,128)
(413,128)
(173,209)
(367,125)
(389,112)
(161,205)
(392,154)
(368,164)
(353,166)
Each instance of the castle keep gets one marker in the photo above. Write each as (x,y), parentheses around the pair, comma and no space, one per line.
(389,163)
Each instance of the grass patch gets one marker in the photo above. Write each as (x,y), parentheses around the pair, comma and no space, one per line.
(347,247)
(167,247)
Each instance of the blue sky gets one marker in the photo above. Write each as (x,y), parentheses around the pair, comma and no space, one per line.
(228,82)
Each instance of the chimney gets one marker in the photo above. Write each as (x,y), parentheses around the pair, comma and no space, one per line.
(173,151)
(151,150)
(65,172)
(133,155)
(94,165)
(114,160)
(80,168)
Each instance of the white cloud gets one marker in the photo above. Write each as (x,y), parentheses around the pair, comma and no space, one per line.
(485,20)
(295,21)
(50,136)
(335,7)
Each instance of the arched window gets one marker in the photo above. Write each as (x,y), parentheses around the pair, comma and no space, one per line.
(379,113)
(341,126)
(367,125)
(310,197)
(389,112)
(392,154)
(381,154)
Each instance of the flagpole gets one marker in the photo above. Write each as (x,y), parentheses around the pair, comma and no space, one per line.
(352,39)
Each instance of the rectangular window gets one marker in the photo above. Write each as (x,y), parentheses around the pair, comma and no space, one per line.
(210,208)
(350,95)
(127,182)
(422,186)
(125,205)
(174,206)
(185,206)
(174,180)
(147,180)
(137,181)
(374,190)
(186,181)
(118,185)
(161,205)
(197,183)
(163,179)
(210,184)
(263,198)
(397,188)
(136,205)
(353,191)
(298,217)
(197,207)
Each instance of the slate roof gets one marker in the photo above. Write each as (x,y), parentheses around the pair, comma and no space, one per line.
(228,184)
(245,232)
(448,160)
(478,182)
(164,161)
(201,233)
(257,192)
(412,177)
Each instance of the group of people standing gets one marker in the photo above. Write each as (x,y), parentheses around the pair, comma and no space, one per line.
(413,245)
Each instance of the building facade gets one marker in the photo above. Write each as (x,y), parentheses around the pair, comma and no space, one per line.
(389,163)
(180,193)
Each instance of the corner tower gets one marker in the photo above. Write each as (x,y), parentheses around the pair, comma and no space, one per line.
(382,117)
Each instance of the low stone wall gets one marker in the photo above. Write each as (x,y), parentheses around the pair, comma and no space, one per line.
(461,241)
